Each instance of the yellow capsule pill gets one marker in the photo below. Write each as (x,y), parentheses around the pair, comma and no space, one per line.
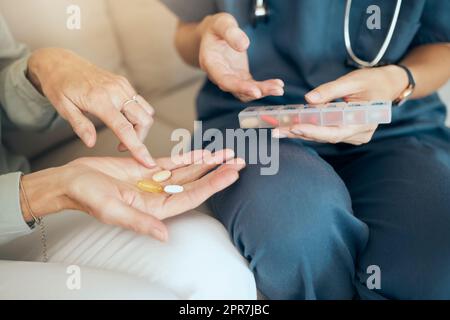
(162,176)
(150,186)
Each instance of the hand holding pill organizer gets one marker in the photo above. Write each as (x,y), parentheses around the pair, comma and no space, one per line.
(330,114)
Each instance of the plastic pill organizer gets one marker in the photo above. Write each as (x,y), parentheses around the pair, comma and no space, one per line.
(330,114)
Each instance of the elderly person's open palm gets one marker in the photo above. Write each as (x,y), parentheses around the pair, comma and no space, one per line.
(107,188)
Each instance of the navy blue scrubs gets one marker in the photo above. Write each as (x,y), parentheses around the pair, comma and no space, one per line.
(333,211)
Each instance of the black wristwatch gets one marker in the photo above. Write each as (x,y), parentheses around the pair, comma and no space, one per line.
(409,90)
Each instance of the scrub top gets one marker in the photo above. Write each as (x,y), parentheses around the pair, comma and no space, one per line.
(303,44)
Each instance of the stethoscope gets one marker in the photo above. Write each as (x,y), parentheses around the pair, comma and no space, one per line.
(262,13)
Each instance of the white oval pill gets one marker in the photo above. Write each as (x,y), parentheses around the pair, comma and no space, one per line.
(173,189)
(162,176)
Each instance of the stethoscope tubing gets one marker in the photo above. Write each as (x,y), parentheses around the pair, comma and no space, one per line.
(386,43)
(260,6)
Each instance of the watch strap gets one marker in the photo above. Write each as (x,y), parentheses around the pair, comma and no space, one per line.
(411,80)
(410,88)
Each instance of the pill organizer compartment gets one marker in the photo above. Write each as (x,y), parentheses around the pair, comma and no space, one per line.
(333,114)
(311,115)
(355,115)
(289,115)
(249,119)
(269,117)
(380,113)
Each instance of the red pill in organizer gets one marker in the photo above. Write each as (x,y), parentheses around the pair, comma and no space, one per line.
(270,120)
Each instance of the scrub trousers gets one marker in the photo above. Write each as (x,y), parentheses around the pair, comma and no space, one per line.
(328,224)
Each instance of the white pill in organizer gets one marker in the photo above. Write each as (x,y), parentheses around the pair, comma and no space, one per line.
(330,114)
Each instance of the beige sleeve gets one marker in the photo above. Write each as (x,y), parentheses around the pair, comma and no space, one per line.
(12,224)
(23,105)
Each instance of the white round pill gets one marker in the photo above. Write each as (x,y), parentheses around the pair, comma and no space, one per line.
(173,189)
(162,176)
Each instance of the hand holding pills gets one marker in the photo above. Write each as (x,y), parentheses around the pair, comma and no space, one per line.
(383,83)
(122,192)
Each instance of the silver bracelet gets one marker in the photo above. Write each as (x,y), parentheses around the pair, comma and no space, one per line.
(36,221)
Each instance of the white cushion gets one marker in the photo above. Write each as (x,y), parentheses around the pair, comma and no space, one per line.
(198,262)
(27,280)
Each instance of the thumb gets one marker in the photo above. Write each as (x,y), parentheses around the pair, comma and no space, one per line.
(227,28)
(333,90)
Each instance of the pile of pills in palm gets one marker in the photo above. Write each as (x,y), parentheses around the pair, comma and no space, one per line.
(155,185)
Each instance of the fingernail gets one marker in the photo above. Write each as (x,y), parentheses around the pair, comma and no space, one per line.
(277,92)
(276,134)
(241,41)
(87,138)
(162,236)
(297,132)
(243,44)
(229,154)
(122,148)
(241,162)
(149,161)
(314,96)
